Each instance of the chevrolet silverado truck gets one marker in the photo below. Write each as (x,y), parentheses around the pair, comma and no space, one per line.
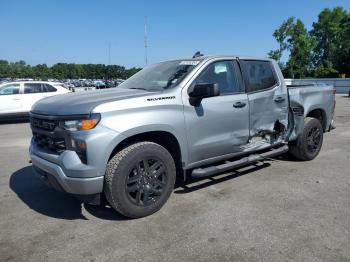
(189,117)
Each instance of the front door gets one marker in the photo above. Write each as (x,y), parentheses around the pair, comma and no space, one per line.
(267,96)
(10,98)
(219,125)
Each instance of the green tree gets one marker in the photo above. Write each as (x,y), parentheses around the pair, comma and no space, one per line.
(300,45)
(42,72)
(343,53)
(293,37)
(281,35)
(59,71)
(322,52)
(17,68)
(64,71)
(131,72)
(4,69)
(330,32)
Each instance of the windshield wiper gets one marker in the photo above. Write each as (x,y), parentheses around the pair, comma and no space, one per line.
(139,88)
(151,89)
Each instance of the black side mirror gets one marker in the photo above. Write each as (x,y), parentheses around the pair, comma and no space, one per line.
(201,91)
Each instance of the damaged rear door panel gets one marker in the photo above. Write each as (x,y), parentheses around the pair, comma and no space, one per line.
(268,102)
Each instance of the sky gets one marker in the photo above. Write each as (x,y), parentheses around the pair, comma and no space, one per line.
(81,31)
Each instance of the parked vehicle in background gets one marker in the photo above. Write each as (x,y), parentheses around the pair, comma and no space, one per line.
(77,84)
(70,86)
(89,83)
(17,98)
(99,84)
(119,81)
(198,117)
(4,80)
(110,84)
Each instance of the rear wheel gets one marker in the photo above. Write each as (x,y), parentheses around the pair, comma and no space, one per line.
(309,143)
(139,179)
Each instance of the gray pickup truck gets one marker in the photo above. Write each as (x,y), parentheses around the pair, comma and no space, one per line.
(189,117)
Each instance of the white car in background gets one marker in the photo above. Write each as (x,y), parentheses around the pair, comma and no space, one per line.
(17,98)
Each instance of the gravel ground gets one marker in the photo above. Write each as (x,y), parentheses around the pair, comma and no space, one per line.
(280,210)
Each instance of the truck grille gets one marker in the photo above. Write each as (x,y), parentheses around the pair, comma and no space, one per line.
(44,124)
(47,134)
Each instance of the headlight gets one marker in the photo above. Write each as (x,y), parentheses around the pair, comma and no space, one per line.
(82,124)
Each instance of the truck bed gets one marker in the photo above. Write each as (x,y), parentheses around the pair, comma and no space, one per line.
(305,99)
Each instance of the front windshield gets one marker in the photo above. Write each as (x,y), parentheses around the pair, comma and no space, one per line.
(160,76)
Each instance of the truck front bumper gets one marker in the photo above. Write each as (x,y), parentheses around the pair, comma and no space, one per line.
(331,126)
(55,175)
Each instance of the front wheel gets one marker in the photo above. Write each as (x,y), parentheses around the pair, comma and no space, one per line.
(139,179)
(309,142)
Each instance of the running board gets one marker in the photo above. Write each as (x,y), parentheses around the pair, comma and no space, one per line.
(212,170)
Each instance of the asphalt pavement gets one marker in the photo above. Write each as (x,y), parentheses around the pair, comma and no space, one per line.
(281,210)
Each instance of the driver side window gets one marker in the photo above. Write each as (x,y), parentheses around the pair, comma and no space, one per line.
(222,73)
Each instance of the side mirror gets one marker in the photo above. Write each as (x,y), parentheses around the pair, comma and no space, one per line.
(201,91)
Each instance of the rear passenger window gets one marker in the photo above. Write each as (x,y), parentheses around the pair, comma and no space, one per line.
(30,88)
(258,75)
(49,88)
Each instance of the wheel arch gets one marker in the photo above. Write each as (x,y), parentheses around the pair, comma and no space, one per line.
(164,138)
(319,114)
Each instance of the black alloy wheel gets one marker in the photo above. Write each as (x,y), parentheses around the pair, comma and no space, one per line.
(313,139)
(146,181)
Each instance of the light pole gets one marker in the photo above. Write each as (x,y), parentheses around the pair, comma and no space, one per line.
(146,44)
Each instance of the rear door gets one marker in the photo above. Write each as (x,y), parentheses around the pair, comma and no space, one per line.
(267,96)
(219,125)
(10,98)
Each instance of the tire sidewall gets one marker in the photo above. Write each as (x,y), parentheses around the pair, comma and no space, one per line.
(313,122)
(123,170)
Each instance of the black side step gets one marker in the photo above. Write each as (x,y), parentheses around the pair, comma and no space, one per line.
(212,170)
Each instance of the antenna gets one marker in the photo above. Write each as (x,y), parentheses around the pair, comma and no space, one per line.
(146,45)
(109,53)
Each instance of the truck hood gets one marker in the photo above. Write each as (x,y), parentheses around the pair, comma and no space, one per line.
(83,102)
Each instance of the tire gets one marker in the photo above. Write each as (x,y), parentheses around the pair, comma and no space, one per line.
(309,142)
(139,179)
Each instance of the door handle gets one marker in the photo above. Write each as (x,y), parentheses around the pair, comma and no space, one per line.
(16,99)
(239,104)
(279,99)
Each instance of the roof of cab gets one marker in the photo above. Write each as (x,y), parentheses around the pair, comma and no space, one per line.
(237,56)
(209,57)
(32,82)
